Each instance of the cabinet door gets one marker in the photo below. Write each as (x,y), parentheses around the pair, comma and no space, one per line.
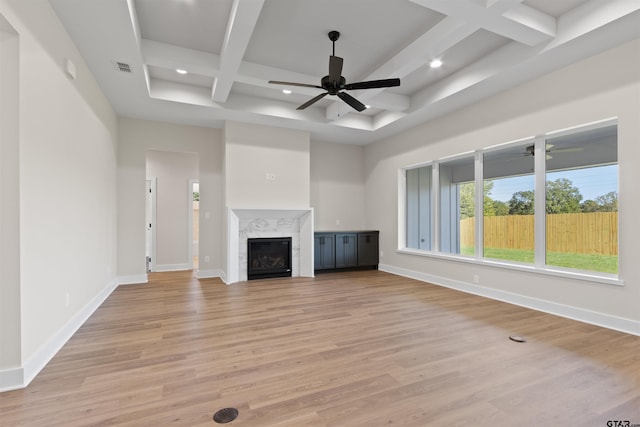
(324,252)
(346,250)
(367,249)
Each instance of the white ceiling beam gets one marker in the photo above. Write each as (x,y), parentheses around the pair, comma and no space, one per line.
(390,101)
(589,17)
(517,22)
(259,75)
(242,20)
(487,67)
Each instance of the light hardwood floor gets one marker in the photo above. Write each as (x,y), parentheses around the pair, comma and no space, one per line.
(344,349)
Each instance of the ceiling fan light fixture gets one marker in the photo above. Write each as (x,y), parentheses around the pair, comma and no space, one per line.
(435,63)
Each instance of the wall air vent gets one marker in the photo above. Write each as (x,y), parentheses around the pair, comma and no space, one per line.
(123,66)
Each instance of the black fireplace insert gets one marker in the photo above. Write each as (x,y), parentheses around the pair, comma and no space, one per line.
(268,257)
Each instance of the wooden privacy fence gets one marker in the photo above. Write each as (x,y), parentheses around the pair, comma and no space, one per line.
(583,233)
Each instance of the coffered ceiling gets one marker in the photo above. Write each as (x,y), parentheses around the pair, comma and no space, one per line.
(230,49)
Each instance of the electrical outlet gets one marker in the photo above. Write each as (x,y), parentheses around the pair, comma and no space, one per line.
(206,258)
(381,254)
(476,278)
(337,222)
(68,300)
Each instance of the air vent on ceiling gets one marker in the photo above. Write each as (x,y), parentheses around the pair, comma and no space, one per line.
(123,66)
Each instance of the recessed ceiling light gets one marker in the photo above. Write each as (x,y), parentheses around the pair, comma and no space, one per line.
(436,63)
(287,91)
(181,71)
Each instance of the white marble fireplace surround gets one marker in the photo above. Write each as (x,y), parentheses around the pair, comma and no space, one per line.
(243,224)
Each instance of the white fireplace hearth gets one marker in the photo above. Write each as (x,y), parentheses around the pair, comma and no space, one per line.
(243,224)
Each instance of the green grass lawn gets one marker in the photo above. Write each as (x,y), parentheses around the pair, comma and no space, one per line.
(590,262)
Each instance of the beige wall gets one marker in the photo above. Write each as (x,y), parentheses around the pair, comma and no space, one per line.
(66,189)
(604,86)
(337,186)
(252,152)
(136,137)
(10,324)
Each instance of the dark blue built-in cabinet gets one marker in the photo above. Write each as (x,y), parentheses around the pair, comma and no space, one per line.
(334,250)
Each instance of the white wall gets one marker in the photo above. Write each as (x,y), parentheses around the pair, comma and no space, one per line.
(252,152)
(136,137)
(337,186)
(10,329)
(604,86)
(173,200)
(67,193)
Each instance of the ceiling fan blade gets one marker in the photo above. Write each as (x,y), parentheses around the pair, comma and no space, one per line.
(275,82)
(566,150)
(335,69)
(312,101)
(352,101)
(373,84)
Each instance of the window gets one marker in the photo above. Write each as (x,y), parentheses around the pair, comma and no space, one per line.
(582,200)
(419,207)
(550,202)
(508,180)
(457,206)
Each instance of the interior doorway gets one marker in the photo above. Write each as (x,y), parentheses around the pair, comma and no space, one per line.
(194,224)
(150,215)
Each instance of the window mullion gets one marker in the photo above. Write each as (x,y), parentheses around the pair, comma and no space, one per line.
(479,211)
(435,207)
(540,219)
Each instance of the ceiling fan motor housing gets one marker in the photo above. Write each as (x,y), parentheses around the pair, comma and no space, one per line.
(332,87)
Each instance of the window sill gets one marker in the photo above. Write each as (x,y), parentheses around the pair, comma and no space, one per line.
(604,278)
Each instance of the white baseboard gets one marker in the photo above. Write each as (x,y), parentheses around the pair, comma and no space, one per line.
(587,316)
(11,379)
(172,267)
(210,274)
(45,353)
(133,280)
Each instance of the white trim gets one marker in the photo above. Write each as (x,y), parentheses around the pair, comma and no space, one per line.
(133,280)
(11,379)
(153,182)
(588,276)
(478,178)
(45,353)
(210,274)
(587,316)
(540,203)
(173,267)
(402,206)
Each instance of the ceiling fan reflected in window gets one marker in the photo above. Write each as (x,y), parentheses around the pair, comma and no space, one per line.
(335,83)
(530,150)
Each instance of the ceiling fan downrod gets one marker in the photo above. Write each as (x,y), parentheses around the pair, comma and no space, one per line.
(333,36)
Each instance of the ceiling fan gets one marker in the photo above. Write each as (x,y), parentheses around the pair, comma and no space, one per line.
(335,84)
(530,150)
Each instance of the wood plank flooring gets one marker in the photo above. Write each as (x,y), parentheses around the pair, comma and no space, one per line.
(361,348)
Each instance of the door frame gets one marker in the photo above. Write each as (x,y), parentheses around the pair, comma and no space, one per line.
(151,238)
(190,217)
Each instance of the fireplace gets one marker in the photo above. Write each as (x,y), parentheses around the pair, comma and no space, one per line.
(268,257)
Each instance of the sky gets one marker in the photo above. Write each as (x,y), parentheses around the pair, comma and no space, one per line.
(592,182)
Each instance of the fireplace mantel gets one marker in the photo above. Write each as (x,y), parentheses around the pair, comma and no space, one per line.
(243,223)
